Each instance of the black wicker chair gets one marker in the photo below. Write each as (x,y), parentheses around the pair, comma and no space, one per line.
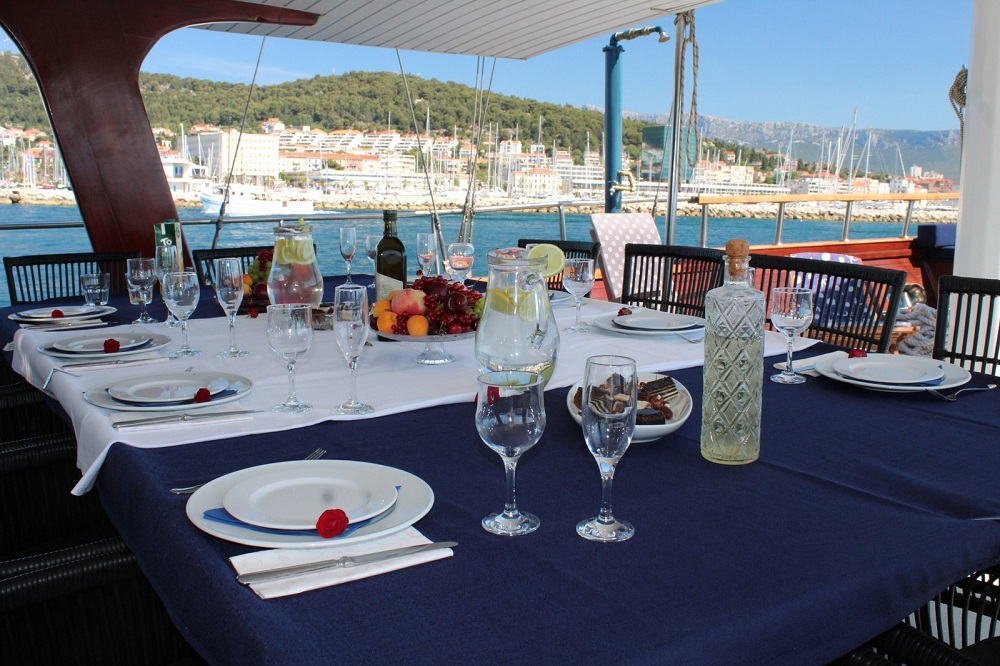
(854,305)
(39,277)
(204,260)
(966,332)
(672,278)
(905,645)
(572,250)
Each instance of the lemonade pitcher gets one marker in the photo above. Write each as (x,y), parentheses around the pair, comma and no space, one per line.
(295,276)
(517,330)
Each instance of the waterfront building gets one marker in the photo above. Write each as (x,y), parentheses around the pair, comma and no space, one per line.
(255,162)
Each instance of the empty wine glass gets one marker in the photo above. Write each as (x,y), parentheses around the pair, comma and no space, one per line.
(510,418)
(578,279)
(229,293)
(290,334)
(141,276)
(350,325)
(427,253)
(168,260)
(791,313)
(348,248)
(181,292)
(609,396)
(371,250)
(460,258)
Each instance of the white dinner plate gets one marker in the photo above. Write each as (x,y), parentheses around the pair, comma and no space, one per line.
(239,385)
(293,499)
(557,297)
(607,323)
(414,499)
(891,369)
(156,389)
(93,344)
(44,315)
(681,407)
(154,341)
(953,376)
(657,321)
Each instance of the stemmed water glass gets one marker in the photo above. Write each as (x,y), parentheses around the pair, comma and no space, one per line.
(510,418)
(609,397)
(578,279)
(371,250)
(460,258)
(141,276)
(791,313)
(181,292)
(229,293)
(290,334)
(168,260)
(348,248)
(350,325)
(427,253)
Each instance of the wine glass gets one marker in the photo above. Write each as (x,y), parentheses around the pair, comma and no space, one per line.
(348,248)
(229,293)
(290,333)
(609,390)
(371,250)
(460,258)
(427,253)
(578,279)
(181,292)
(168,260)
(791,313)
(510,418)
(141,276)
(350,325)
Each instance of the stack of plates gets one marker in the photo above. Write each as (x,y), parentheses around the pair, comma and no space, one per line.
(894,373)
(280,503)
(651,323)
(92,346)
(168,392)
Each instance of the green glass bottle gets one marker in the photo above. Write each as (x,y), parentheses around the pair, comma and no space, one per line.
(390,260)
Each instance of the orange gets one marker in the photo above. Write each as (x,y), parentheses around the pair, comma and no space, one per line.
(417,325)
(247,279)
(381,306)
(386,321)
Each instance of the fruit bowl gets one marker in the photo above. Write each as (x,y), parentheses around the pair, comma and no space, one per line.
(433,353)
(681,406)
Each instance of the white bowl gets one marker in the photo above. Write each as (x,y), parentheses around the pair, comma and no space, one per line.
(681,406)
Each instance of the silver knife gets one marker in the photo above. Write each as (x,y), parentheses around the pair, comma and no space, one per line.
(170,418)
(121,361)
(339,562)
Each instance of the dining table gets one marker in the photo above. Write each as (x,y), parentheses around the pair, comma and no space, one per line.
(862,506)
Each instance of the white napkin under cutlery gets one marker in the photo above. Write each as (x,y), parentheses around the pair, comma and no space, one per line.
(282,557)
(807,366)
(137,421)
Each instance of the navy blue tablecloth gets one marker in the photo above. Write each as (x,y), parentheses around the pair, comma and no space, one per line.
(856,514)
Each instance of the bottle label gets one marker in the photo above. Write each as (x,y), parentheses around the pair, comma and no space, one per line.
(384,285)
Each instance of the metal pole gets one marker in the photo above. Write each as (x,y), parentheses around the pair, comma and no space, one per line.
(562,222)
(847,221)
(670,221)
(704,226)
(779,230)
(909,218)
(612,127)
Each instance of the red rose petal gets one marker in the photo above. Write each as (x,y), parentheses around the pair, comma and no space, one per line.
(203,395)
(252,312)
(331,523)
(111,346)
(57,314)
(624,311)
(492,394)
(857,353)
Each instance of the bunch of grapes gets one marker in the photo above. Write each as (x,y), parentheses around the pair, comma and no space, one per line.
(261,267)
(452,307)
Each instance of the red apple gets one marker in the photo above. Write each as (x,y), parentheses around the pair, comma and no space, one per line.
(260,291)
(409,302)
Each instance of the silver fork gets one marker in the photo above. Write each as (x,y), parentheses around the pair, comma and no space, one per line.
(187,490)
(951,397)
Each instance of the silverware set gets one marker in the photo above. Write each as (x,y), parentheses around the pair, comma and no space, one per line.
(951,397)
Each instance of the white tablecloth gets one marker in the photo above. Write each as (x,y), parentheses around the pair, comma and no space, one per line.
(388,377)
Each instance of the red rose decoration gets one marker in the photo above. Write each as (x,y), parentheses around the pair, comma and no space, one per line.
(332,523)
(624,311)
(252,312)
(203,395)
(111,346)
(492,394)
(57,314)
(857,353)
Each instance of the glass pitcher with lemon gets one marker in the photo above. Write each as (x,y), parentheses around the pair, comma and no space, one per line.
(295,276)
(517,330)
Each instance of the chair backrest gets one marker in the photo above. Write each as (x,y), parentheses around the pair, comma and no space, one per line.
(828,256)
(853,305)
(968,320)
(39,277)
(204,260)
(672,278)
(613,231)
(572,250)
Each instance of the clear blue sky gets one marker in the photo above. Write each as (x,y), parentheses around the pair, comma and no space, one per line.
(812,61)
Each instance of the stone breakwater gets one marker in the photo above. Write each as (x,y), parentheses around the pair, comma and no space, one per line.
(887,212)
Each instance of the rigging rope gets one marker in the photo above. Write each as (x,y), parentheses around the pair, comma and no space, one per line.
(481,105)
(239,138)
(956,95)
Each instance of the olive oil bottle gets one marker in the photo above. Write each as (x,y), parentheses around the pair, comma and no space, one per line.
(390,259)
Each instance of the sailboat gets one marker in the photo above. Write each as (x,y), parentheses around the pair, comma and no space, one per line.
(247,200)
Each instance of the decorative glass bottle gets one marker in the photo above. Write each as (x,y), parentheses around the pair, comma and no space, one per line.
(295,276)
(734,363)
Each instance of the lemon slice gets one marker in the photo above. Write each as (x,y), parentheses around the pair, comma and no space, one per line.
(280,251)
(553,255)
(501,300)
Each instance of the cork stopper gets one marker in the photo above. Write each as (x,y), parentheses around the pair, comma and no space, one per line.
(737,251)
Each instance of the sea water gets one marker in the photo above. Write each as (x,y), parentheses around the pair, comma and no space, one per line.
(491,230)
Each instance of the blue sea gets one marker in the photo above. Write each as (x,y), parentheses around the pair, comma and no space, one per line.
(491,230)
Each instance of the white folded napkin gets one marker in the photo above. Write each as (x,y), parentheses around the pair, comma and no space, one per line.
(123,419)
(285,557)
(807,366)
